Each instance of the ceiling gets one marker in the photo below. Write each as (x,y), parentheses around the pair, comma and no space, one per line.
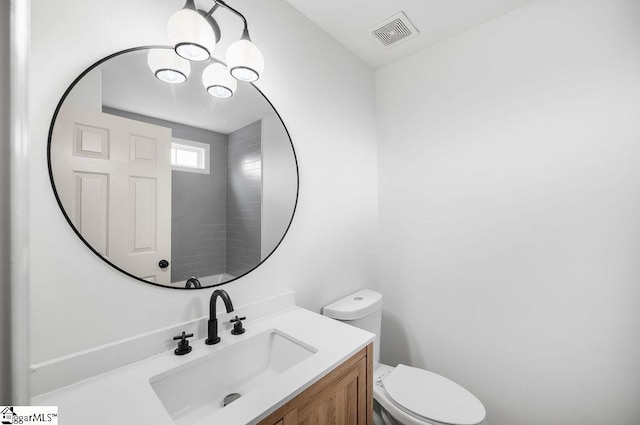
(349,22)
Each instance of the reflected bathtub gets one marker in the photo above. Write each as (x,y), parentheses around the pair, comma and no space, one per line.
(210,280)
(215,279)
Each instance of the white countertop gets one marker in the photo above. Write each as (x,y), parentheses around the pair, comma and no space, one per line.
(125,395)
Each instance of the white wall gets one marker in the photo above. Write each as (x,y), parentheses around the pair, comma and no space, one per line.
(509,212)
(79,302)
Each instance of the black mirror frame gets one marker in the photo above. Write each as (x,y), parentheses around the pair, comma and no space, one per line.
(68,219)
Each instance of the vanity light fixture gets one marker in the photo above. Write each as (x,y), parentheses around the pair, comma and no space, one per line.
(193,34)
(167,66)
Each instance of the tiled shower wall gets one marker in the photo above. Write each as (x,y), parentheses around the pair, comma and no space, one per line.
(244,199)
(199,215)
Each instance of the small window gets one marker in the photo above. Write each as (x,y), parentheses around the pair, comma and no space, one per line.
(192,157)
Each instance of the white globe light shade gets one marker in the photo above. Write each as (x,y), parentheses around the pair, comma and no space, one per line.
(167,66)
(191,35)
(245,60)
(218,82)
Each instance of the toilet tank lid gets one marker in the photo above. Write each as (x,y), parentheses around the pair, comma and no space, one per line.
(354,306)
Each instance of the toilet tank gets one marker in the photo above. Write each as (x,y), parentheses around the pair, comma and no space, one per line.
(362,309)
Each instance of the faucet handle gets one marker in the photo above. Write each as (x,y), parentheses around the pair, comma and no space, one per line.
(183,345)
(237,325)
(183,336)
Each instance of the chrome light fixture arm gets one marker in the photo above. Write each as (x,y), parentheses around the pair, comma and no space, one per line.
(231,9)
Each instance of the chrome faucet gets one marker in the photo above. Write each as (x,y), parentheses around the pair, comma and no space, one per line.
(212,325)
(193,281)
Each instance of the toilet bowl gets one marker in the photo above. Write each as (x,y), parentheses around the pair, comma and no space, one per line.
(405,395)
(412,396)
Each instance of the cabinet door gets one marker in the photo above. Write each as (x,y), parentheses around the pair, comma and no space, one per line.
(343,397)
(343,402)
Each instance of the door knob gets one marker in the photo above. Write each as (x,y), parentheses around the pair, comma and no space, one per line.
(163,264)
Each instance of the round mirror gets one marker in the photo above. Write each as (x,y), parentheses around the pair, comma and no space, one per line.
(165,181)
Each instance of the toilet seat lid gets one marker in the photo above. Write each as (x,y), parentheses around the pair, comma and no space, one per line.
(433,397)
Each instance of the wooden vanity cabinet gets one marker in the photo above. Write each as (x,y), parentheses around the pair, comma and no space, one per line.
(343,397)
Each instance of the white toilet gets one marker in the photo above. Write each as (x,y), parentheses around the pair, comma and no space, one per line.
(406,395)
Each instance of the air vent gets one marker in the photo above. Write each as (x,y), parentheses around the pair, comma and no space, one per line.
(394,30)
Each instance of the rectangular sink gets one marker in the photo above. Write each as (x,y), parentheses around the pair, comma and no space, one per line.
(197,389)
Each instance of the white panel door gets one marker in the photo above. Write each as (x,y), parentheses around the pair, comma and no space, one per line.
(113,176)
